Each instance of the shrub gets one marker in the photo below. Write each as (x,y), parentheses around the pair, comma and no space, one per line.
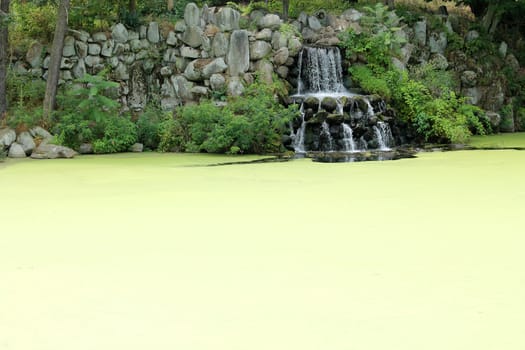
(30,22)
(148,124)
(119,133)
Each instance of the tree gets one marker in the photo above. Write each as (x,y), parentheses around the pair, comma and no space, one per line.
(286,7)
(56,59)
(4,12)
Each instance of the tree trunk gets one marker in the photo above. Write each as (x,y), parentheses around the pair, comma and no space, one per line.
(389,3)
(132,6)
(56,58)
(4,11)
(171,5)
(286,7)
(492,17)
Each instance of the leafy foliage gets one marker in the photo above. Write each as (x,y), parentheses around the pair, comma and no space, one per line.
(424,100)
(30,21)
(87,115)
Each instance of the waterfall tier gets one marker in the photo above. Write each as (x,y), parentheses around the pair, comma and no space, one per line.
(332,118)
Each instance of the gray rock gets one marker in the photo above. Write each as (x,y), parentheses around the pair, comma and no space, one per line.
(406,52)
(101,36)
(438,43)
(170,55)
(217,82)
(396,62)
(66,63)
(49,151)
(172,39)
(121,72)
(259,49)
(494,119)
(136,36)
(201,91)
(192,15)
(120,49)
(182,87)
(136,148)
(279,40)
(270,21)
(166,71)
(220,45)
(328,41)
(473,95)
(94,49)
(66,75)
(303,18)
(82,49)
(439,61)
(512,62)
(20,67)
(153,34)
(352,15)
(294,46)
(181,63)
(265,70)
(7,137)
(189,52)
(420,32)
(265,34)
(471,36)
(193,71)
(235,87)
(143,32)
(81,35)
(216,66)
(16,151)
(135,45)
(138,87)
(26,141)
(169,103)
(227,19)
(107,48)
(314,24)
(193,36)
(35,54)
(41,133)
(239,53)
(469,78)
(120,33)
(69,47)
(85,148)
(283,71)
(92,61)
(281,56)
(502,50)
(180,26)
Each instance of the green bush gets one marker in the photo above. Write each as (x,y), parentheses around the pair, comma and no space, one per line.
(85,114)
(252,123)
(119,133)
(148,124)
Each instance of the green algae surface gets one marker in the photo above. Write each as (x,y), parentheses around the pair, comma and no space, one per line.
(160,252)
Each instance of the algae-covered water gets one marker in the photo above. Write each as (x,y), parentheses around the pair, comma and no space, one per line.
(160,252)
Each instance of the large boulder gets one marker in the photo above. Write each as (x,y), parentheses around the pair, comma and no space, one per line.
(7,137)
(281,56)
(49,151)
(216,66)
(119,33)
(220,45)
(39,132)
(259,49)
(34,55)
(217,82)
(193,36)
(192,15)
(239,53)
(270,21)
(153,34)
(69,47)
(26,141)
(16,151)
(420,32)
(228,19)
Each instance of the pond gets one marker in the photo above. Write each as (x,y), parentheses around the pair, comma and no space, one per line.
(158,251)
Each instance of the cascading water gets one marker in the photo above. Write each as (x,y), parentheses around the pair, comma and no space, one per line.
(383,135)
(348,139)
(332,118)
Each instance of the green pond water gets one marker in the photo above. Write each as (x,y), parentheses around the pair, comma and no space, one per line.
(157,251)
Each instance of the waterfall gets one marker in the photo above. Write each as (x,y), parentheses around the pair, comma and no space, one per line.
(326,138)
(298,138)
(383,135)
(320,71)
(348,138)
